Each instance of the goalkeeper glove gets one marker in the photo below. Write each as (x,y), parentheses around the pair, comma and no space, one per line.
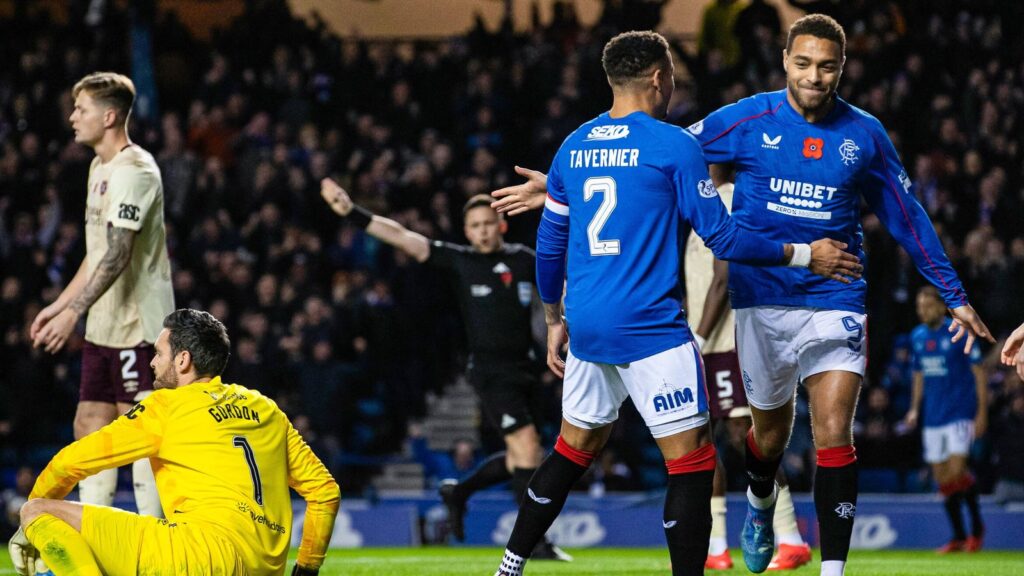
(300,571)
(23,553)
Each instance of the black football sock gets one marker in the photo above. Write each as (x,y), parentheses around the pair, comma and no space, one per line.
(520,480)
(545,496)
(490,472)
(956,519)
(760,472)
(835,500)
(687,519)
(970,496)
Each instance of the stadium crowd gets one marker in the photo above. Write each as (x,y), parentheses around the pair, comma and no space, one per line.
(350,336)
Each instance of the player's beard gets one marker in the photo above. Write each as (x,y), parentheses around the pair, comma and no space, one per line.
(809,105)
(168,379)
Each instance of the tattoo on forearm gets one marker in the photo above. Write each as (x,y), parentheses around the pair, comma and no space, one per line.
(120,242)
(553,313)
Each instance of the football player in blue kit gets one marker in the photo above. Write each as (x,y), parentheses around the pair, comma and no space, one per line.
(950,400)
(804,159)
(620,190)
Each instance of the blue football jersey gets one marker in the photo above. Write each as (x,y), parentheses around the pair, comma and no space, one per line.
(619,191)
(949,389)
(797,181)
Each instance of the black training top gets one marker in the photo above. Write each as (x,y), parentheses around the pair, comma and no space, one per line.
(494,291)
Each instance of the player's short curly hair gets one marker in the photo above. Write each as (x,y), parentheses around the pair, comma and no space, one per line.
(819,26)
(109,88)
(630,55)
(204,337)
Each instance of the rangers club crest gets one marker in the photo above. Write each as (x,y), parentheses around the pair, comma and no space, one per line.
(846,510)
(848,151)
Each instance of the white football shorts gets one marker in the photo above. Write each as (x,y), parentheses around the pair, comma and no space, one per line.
(668,390)
(941,442)
(779,346)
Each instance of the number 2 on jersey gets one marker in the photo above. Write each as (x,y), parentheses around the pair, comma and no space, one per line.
(601,185)
(254,471)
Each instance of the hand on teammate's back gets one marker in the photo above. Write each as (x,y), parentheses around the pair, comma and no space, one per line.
(1013,352)
(829,259)
(967,322)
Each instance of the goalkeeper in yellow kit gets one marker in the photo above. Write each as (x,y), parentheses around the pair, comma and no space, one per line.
(224,457)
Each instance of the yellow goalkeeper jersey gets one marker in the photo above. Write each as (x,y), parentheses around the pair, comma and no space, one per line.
(224,457)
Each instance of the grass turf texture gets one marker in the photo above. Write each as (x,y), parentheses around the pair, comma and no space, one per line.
(637,562)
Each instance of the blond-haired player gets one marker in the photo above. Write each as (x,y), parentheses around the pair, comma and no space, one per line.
(707,304)
(124,282)
(224,458)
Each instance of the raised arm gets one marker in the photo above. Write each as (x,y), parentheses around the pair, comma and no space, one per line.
(384,229)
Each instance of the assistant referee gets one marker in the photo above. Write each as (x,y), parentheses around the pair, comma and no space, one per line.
(494,282)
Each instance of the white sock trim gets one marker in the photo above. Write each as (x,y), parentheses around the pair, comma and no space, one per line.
(146,498)
(833,567)
(99,488)
(762,503)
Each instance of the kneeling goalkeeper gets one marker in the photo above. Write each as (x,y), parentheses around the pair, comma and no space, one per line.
(224,457)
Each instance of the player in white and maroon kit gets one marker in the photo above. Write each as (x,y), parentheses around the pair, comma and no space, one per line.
(124,283)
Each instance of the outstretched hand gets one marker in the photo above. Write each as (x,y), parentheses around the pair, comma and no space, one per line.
(529,195)
(966,322)
(1013,352)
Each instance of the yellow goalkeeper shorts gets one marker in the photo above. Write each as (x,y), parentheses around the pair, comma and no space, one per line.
(128,544)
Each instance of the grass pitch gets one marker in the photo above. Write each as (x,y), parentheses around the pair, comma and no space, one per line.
(638,562)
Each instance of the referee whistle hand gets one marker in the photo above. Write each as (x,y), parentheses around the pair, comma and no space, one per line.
(556,341)
(529,195)
(966,322)
(830,260)
(336,197)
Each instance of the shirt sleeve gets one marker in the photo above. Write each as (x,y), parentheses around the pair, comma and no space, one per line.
(719,134)
(308,476)
(445,254)
(133,191)
(553,239)
(701,206)
(134,435)
(889,193)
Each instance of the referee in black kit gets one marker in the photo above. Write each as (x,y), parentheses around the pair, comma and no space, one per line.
(495,284)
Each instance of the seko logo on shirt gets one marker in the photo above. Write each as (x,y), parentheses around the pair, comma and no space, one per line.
(607,133)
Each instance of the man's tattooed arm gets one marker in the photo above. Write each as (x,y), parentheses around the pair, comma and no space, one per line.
(120,242)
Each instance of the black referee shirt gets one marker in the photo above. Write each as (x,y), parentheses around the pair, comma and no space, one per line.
(494,291)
